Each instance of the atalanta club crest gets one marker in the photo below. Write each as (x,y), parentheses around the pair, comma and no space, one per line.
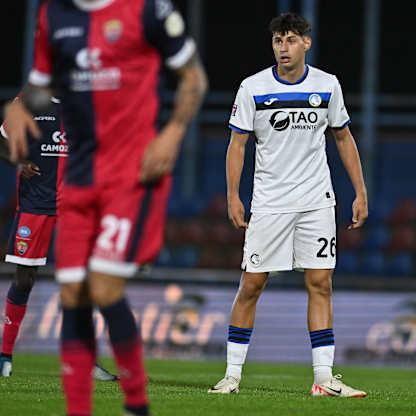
(255,259)
(315,100)
(21,247)
(113,30)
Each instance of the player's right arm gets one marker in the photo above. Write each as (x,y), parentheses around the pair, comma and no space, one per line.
(18,117)
(27,168)
(234,167)
(241,124)
(19,121)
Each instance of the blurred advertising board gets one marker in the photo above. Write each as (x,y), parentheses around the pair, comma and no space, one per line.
(189,320)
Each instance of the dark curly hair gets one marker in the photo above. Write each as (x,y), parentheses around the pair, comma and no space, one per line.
(292,22)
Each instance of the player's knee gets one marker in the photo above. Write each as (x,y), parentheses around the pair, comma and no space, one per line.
(74,295)
(25,277)
(321,286)
(249,292)
(105,289)
(104,295)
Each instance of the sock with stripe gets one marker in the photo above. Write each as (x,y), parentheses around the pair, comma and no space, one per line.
(78,353)
(128,353)
(323,350)
(14,313)
(237,347)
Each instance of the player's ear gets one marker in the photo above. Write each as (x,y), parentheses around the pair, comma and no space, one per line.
(307,40)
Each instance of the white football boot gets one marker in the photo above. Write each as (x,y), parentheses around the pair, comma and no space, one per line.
(101,374)
(5,367)
(336,388)
(227,385)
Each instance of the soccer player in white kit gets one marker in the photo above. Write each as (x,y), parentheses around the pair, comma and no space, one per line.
(292,226)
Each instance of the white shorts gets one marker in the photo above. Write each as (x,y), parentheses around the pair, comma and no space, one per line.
(301,240)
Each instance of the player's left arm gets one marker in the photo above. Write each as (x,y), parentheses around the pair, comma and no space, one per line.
(161,154)
(350,157)
(165,30)
(192,86)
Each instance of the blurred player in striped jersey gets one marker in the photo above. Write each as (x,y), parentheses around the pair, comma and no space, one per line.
(104,57)
(38,182)
(292,225)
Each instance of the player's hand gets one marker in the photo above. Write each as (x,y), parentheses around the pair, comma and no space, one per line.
(19,121)
(160,155)
(359,212)
(29,169)
(236,212)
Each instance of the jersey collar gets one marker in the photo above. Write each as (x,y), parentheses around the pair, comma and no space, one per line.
(283,81)
(90,6)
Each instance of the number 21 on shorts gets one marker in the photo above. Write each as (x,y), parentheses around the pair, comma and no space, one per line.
(115,234)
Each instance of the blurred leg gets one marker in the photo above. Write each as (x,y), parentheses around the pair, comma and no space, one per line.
(319,287)
(107,293)
(242,321)
(78,351)
(15,310)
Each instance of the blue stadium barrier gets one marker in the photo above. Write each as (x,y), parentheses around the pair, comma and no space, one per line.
(373,263)
(348,262)
(400,265)
(377,238)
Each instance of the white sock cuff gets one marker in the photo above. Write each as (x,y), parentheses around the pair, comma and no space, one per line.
(236,353)
(323,355)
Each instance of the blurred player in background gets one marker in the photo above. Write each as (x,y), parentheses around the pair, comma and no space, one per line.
(288,107)
(103,57)
(38,183)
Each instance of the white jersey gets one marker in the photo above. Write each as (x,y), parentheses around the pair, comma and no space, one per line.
(289,122)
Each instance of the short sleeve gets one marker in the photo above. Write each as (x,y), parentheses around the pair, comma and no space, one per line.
(3,131)
(41,72)
(164,28)
(338,117)
(243,111)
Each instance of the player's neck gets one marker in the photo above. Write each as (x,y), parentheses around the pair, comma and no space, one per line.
(291,75)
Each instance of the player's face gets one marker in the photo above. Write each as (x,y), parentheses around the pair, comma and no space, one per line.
(290,49)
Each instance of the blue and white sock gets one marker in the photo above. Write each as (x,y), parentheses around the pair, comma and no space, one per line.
(237,347)
(323,350)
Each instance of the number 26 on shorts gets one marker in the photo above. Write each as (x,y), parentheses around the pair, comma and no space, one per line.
(327,247)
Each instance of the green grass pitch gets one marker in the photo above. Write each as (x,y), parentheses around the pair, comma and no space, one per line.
(178,388)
